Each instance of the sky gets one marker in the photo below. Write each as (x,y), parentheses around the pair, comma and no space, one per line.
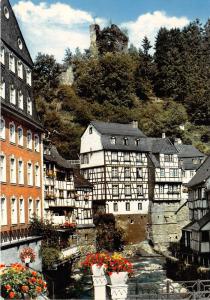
(52,26)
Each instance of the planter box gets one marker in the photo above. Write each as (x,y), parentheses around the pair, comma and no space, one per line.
(119,278)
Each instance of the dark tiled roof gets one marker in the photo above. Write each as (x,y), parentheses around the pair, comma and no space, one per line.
(188,151)
(203,173)
(80,181)
(10,32)
(58,159)
(198,225)
(117,129)
(121,131)
(186,154)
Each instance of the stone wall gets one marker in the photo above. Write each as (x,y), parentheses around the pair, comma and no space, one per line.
(134,226)
(167,221)
(11,254)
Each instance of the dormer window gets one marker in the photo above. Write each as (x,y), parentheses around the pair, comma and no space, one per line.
(29,106)
(6,12)
(20,99)
(28,76)
(20,44)
(20,69)
(2,57)
(137,142)
(12,63)
(113,140)
(125,141)
(90,130)
(195,161)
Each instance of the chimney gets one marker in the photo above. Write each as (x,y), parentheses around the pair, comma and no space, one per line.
(163,135)
(135,124)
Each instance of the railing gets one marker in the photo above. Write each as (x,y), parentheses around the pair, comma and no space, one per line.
(15,235)
(168,289)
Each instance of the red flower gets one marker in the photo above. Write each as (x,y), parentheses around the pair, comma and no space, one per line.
(33,279)
(11,295)
(34,273)
(8,287)
(25,288)
(38,289)
(2,266)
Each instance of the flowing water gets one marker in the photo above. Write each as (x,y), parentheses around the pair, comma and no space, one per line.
(147,270)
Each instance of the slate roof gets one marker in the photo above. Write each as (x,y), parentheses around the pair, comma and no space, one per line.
(117,129)
(10,32)
(198,225)
(80,181)
(187,154)
(188,151)
(121,131)
(58,159)
(203,173)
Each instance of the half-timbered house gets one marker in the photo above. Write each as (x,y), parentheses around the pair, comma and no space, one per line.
(113,159)
(190,159)
(67,196)
(133,176)
(197,233)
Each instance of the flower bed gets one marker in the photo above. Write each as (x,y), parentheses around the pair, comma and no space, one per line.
(68,225)
(112,263)
(18,281)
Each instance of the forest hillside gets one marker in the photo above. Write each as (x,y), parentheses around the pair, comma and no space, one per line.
(167,91)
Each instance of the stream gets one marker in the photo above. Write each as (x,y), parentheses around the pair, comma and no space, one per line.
(148,270)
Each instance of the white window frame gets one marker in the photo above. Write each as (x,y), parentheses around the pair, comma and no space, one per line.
(20,69)
(2,88)
(3,207)
(115,190)
(139,172)
(2,128)
(126,156)
(13,170)
(38,208)
(2,56)
(115,206)
(20,99)
(139,205)
(29,143)
(3,167)
(114,156)
(162,172)
(20,137)
(13,210)
(36,143)
(20,172)
(22,210)
(113,140)
(140,190)
(12,94)
(115,172)
(139,157)
(127,172)
(11,62)
(29,106)
(30,209)
(37,175)
(30,174)
(127,190)
(12,134)
(127,206)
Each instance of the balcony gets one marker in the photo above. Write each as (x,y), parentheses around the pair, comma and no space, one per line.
(62,203)
(70,251)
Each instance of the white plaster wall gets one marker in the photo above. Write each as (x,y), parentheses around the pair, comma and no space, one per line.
(95,159)
(90,142)
(122,207)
